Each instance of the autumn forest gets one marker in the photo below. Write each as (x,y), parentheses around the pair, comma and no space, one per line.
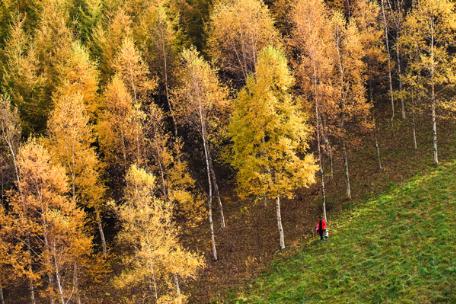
(135,132)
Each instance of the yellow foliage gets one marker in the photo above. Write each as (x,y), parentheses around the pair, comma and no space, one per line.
(269,132)
(148,228)
(238,30)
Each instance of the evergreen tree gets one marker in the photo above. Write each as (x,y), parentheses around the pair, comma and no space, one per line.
(200,102)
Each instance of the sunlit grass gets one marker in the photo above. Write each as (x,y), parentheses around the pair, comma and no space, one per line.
(397,248)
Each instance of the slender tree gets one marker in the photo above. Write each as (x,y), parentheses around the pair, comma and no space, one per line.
(428,41)
(353,114)
(270,135)
(367,15)
(388,52)
(315,66)
(200,102)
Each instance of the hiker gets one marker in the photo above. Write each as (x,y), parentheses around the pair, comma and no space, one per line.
(321,229)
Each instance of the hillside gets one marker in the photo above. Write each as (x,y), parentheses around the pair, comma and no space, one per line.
(396,248)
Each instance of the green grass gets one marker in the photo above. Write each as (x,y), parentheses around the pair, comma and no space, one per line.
(397,248)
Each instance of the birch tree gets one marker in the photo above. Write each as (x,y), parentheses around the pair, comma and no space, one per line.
(388,58)
(428,41)
(315,66)
(270,136)
(353,114)
(366,15)
(200,102)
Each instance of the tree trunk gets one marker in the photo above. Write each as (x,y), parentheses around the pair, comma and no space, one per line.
(176,282)
(48,261)
(377,146)
(57,276)
(279,224)
(331,162)
(322,175)
(76,283)
(434,130)
(31,287)
(102,235)
(318,131)
(390,78)
(434,119)
(2,299)
(399,72)
(209,182)
(347,173)
(415,144)
(217,193)
(154,283)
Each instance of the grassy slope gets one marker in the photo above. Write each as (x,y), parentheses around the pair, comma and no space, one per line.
(397,248)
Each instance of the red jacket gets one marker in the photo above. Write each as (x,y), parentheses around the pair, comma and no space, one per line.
(323,225)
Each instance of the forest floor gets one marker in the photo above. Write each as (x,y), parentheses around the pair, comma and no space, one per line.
(249,243)
(397,248)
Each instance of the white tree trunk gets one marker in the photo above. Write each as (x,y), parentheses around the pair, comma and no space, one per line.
(415,143)
(377,146)
(102,235)
(390,78)
(176,282)
(154,283)
(216,189)
(58,279)
(347,173)
(76,283)
(319,131)
(209,182)
(2,299)
(279,224)
(48,261)
(434,118)
(322,175)
(217,194)
(399,72)
(31,286)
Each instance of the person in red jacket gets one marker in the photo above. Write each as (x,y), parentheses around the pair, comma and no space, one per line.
(321,228)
